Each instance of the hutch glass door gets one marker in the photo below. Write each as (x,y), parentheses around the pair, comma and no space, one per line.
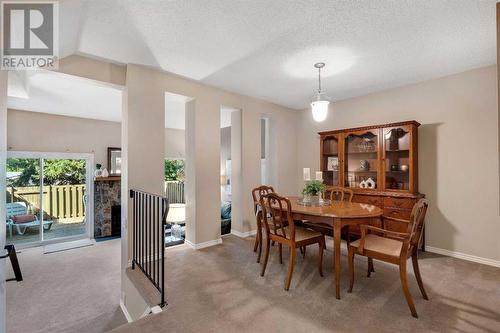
(397,158)
(330,160)
(361,159)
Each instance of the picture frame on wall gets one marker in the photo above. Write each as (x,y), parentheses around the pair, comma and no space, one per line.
(115,161)
(332,164)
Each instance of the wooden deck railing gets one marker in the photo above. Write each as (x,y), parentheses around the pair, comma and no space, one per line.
(174,191)
(59,201)
(66,201)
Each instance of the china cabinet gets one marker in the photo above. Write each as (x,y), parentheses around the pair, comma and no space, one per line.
(379,163)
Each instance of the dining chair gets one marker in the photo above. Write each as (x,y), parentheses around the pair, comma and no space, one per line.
(277,210)
(257,193)
(341,194)
(395,248)
(336,194)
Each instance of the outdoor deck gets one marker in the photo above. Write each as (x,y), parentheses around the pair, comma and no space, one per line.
(58,230)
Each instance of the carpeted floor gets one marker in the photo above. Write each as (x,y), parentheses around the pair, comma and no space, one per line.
(219,289)
(71,291)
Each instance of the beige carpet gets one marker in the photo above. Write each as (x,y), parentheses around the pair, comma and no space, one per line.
(219,289)
(73,291)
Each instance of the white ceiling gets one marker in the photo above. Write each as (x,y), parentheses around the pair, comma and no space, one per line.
(262,48)
(66,95)
(267,49)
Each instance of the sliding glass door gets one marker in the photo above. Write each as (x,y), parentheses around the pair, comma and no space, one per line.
(47,197)
(23,200)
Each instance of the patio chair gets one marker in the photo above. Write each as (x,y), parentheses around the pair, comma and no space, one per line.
(18,217)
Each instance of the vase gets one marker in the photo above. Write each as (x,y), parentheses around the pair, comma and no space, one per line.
(364,165)
(310,198)
(105,173)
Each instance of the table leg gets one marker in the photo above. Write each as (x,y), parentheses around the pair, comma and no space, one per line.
(337,227)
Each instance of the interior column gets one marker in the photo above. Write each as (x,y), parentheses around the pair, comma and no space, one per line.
(203,220)
(143,146)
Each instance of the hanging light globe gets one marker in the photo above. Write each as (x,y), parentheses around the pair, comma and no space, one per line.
(320,103)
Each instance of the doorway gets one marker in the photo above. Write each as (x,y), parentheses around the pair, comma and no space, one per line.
(49,197)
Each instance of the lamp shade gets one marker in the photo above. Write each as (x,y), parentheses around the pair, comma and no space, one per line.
(319,109)
(176,213)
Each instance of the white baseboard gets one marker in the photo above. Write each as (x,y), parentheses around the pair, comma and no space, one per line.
(243,234)
(203,245)
(125,312)
(459,255)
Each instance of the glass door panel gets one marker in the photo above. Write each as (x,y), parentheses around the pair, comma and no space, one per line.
(64,198)
(361,160)
(397,158)
(330,160)
(23,206)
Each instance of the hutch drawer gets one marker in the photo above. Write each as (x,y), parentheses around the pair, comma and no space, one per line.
(403,214)
(369,199)
(400,203)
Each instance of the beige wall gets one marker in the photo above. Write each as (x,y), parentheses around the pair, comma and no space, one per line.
(205,135)
(75,135)
(458,152)
(93,69)
(175,143)
(32,131)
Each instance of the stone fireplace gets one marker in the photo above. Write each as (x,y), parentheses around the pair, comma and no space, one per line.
(107,201)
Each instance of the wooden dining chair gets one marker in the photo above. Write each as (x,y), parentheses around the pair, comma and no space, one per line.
(395,248)
(257,193)
(278,210)
(341,194)
(336,194)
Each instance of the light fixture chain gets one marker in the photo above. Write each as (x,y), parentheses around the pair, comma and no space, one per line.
(319,79)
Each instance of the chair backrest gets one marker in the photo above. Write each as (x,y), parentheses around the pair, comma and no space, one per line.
(341,194)
(16,208)
(277,215)
(417,220)
(258,192)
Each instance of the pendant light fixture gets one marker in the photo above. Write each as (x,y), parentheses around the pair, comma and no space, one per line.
(320,102)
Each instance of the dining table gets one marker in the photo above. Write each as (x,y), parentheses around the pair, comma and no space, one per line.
(336,215)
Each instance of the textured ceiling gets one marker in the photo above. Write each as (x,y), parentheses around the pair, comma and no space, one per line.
(267,48)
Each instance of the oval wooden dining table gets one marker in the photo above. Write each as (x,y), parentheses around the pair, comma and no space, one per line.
(337,215)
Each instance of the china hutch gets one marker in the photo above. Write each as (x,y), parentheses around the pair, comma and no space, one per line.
(379,163)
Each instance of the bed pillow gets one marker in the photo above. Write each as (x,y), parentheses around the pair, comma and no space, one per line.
(225,210)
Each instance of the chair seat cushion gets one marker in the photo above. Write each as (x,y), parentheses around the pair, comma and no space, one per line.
(379,244)
(23,218)
(302,234)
